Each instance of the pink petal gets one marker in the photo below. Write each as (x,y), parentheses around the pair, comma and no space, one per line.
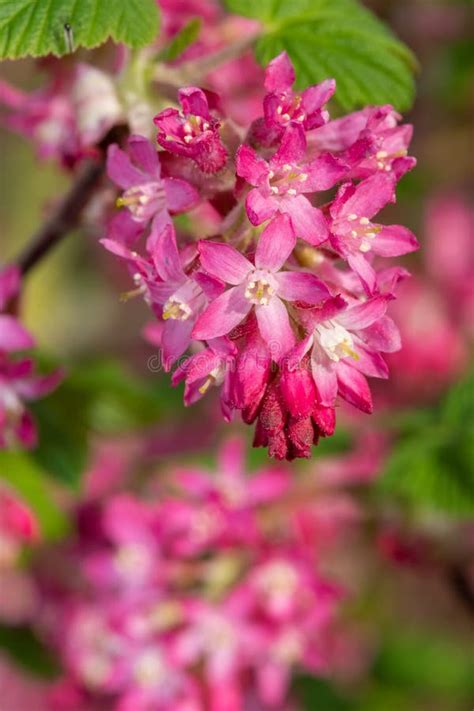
(259,207)
(224,262)
(180,195)
(40,385)
(201,364)
(211,286)
(13,336)
(324,172)
(292,147)
(301,286)
(364,271)
(222,315)
(370,196)
(123,229)
(274,326)
(275,244)
(145,155)
(308,222)
(26,431)
(383,335)
(368,362)
(160,223)
(353,387)
(120,250)
(394,240)
(314,97)
(250,166)
(324,375)
(166,256)
(279,74)
(175,339)
(194,101)
(121,170)
(364,314)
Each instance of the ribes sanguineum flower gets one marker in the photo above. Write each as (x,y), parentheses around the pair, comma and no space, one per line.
(282,106)
(262,286)
(193,132)
(281,183)
(18,381)
(147,195)
(207,586)
(352,233)
(284,269)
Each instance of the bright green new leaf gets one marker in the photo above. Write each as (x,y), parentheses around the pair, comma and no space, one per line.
(30,482)
(335,38)
(40,27)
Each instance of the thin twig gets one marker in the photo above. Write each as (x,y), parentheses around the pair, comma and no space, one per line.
(67,214)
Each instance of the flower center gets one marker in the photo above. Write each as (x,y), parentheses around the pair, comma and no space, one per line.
(290,109)
(192,127)
(278,579)
(261,286)
(149,669)
(336,341)
(143,200)
(287,179)
(176,310)
(363,229)
(384,159)
(215,377)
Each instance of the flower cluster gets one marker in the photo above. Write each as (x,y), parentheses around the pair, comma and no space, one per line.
(18,381)
(208,595)
(68,116)
(282,306)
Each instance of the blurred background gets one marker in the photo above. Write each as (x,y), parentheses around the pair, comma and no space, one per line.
(412,570)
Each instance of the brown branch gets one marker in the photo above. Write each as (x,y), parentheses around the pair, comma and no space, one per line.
(67,214)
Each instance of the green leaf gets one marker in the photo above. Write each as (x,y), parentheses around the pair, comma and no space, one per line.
(37,27)
(431,464)
(336,38)
(182,40)
(30,481)
(414,661)
(100,397)
(27,651)
(321,695)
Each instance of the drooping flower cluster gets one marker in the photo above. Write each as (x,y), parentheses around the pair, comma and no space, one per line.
(18,381)
(284,309)
(206,596)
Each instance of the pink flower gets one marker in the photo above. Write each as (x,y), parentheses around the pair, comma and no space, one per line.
(18,383)
(180,296)
(377,128)
(147,195)
(345,348)
(353,235)
(192,132)
(261,286)
(209,367)
(66,118)
(280,184)
(282,107)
